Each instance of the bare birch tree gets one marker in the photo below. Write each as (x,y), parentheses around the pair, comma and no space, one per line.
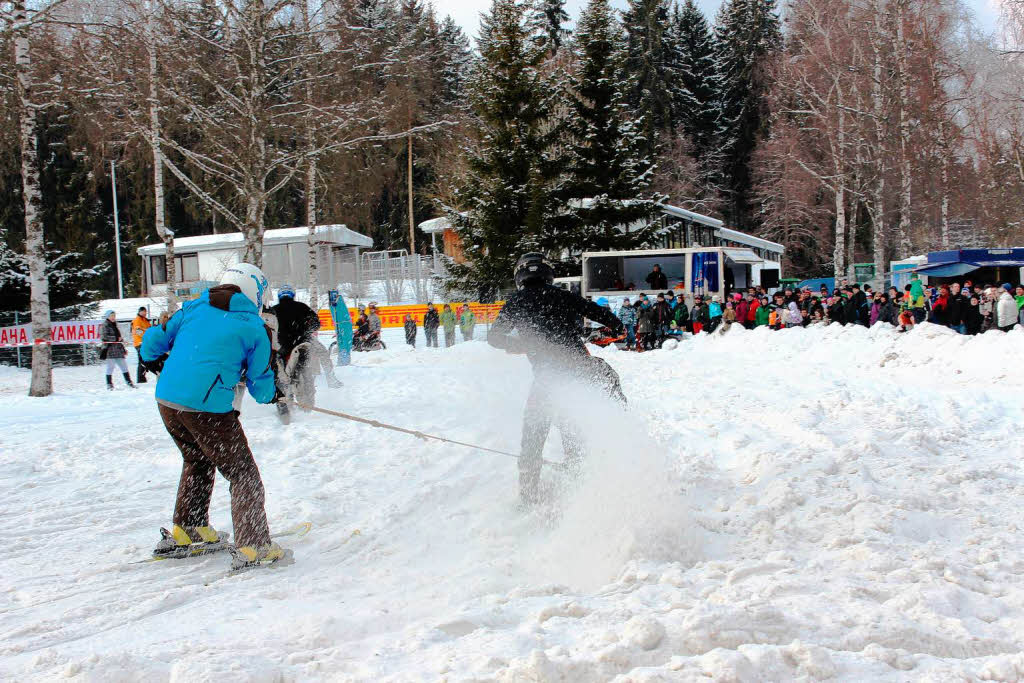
(19,20)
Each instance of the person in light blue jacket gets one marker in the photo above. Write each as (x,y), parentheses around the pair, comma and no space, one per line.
(200,354)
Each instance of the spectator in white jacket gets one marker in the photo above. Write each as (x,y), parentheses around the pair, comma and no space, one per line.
(1006,309)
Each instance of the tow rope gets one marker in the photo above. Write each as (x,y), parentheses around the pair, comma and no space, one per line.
(412,432)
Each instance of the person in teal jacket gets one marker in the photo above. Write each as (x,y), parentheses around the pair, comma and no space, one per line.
(467,323)
(200,354)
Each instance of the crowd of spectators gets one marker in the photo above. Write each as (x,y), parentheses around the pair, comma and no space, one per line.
(967,308)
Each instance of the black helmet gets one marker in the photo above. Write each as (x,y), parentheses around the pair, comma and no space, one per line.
(533,267)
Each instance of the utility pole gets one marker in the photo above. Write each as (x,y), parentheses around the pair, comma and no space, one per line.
(117,232)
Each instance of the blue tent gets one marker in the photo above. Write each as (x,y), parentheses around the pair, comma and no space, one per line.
(962,261)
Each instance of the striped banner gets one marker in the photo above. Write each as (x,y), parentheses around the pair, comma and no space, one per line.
(394,316)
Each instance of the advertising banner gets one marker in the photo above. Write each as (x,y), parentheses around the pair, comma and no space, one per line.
(65,332)
(394,316)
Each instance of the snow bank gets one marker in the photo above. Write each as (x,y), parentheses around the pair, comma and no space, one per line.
(807,504)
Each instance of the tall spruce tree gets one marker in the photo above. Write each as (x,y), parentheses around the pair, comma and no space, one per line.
(699,86)
(607,170)
(649,64)
(747,37)
(547,19)
(456,61)
(508,199)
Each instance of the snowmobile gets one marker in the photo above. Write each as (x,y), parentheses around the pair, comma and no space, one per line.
(370,341)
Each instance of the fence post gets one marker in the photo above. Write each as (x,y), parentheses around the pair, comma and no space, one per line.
(17,348)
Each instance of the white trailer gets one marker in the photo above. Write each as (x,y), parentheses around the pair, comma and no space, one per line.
(706,271)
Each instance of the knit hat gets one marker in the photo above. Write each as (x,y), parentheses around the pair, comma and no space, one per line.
(107,313)
(1007,286)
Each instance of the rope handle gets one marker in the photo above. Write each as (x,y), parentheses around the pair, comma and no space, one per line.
(412,432)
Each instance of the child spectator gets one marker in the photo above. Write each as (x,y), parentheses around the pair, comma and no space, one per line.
(729,315)
(644,328)
(410,330)
(627,314)
(714,313)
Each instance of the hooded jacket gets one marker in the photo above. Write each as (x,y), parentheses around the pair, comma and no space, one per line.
(1006,310)
(212,343)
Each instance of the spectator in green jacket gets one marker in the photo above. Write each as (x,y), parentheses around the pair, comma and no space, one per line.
(448,323)
(681,314)
(467,322)
(762,313)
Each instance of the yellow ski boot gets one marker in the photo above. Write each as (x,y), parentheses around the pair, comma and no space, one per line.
(243,557)
(188,542)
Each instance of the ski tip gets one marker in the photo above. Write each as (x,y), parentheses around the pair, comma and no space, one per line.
(303,529)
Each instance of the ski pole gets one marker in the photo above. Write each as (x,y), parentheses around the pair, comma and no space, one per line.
(413,432)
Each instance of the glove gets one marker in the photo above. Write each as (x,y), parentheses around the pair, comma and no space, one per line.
(278,395)
(156,365)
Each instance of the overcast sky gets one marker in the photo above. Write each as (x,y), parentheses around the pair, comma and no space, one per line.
(467,12)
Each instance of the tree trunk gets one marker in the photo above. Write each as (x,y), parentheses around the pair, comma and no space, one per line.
(314,280)
(412,221)
(903,104)
(253,229)
(311,163)
(42,374)
(166,236)
(878,223)
(839,255)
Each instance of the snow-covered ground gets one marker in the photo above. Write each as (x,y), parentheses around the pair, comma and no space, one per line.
(834,502)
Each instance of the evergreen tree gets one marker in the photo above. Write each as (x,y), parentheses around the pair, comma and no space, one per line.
(547,21)
(699,86)
(649,64)
(508,197)
(456,61)
(747,37)
(608,172)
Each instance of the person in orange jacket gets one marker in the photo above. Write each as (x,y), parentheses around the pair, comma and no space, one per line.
(139,326)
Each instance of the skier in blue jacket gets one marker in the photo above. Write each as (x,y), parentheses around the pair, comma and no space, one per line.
(201,353)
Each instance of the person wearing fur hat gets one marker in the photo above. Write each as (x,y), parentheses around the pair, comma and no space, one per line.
(114,350)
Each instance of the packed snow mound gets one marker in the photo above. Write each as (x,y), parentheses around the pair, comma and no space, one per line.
(810,504)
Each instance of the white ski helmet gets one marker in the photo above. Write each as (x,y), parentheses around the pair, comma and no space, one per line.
(249,279)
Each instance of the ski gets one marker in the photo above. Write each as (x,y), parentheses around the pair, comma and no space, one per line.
(201,549)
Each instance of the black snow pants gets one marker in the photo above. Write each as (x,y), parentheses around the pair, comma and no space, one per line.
(210,442)
(540,412)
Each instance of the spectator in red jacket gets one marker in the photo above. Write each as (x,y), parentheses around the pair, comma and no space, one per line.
(743,309)
(754,304)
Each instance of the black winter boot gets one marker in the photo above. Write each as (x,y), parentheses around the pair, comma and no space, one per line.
(110,383)
(128,380)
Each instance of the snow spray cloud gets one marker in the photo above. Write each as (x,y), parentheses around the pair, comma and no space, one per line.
(626,503)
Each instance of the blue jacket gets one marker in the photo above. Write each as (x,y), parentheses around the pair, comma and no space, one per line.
(211,342)
(627,315)
(715,309)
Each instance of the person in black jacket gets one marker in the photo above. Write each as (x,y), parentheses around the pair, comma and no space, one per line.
(114,350)
(296,325)
(972,316)
(888,312)
(431,321)
(662,317)
(957,308)
(656,279)
(410,330)
(544,322)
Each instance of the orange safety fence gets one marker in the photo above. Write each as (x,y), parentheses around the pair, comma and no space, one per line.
(394,316)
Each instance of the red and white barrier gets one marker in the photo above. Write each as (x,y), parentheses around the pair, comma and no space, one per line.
(64,332)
